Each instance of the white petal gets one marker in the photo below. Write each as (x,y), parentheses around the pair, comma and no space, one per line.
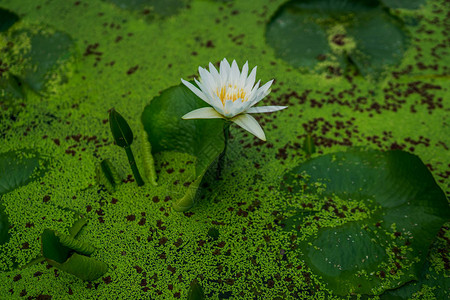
(217,104)
(224,69)
(250,124)
(201,85)
(255,88)
(259,97)
(264,109)
(203,113)
(206,79)
(246,105)
(235,75)
(214,73)
(205,90)
(253,93)
(244,74)
(228,109)
(266,87)
(250,80)
(196,91)
(260,93)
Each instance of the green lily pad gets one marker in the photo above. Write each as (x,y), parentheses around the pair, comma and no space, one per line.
(409,209)
(429,278)
(380,42)
(316,34)
(7,19)
(18,168)
(167,131)
(303,43)
(37,57)
(48,52)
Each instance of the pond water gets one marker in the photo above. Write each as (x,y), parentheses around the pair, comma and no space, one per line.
(359,79)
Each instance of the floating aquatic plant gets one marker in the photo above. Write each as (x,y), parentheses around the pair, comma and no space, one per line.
(123,136)
(407,206)
(106,174)
(308,145)
(71,255)
(232,95)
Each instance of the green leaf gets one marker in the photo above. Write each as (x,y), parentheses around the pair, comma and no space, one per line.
(65,253)
(308,145)
(76,227)
(18,168)
(52,248)
(107,175)
(408,209)
(307,32)
(167,131)
(291,222)
(429,278)
(48,52)
(4,225)
(74,244)
(7,19)
(296,38)
(84,267)
(195,291)
(188,200)
(380,41)
(123,137)
(121,131)
(149,162)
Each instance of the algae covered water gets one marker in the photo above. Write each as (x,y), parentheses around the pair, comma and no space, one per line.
(347,197)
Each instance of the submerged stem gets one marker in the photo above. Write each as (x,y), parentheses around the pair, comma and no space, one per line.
(133,165)
(221,163)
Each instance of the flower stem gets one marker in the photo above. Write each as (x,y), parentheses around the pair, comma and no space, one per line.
(133,166)
(221,163)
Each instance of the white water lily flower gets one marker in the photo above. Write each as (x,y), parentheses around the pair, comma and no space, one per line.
(231,95)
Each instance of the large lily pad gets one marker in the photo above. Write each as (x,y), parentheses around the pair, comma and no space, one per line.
(36,57)
(305,33)
(408,210)
(7,19)
(167,131)
(48,52)
(18,168)
(429,278)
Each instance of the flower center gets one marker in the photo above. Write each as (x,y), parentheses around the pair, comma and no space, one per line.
(231,92)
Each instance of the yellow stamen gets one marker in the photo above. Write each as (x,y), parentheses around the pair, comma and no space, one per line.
(231,92)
